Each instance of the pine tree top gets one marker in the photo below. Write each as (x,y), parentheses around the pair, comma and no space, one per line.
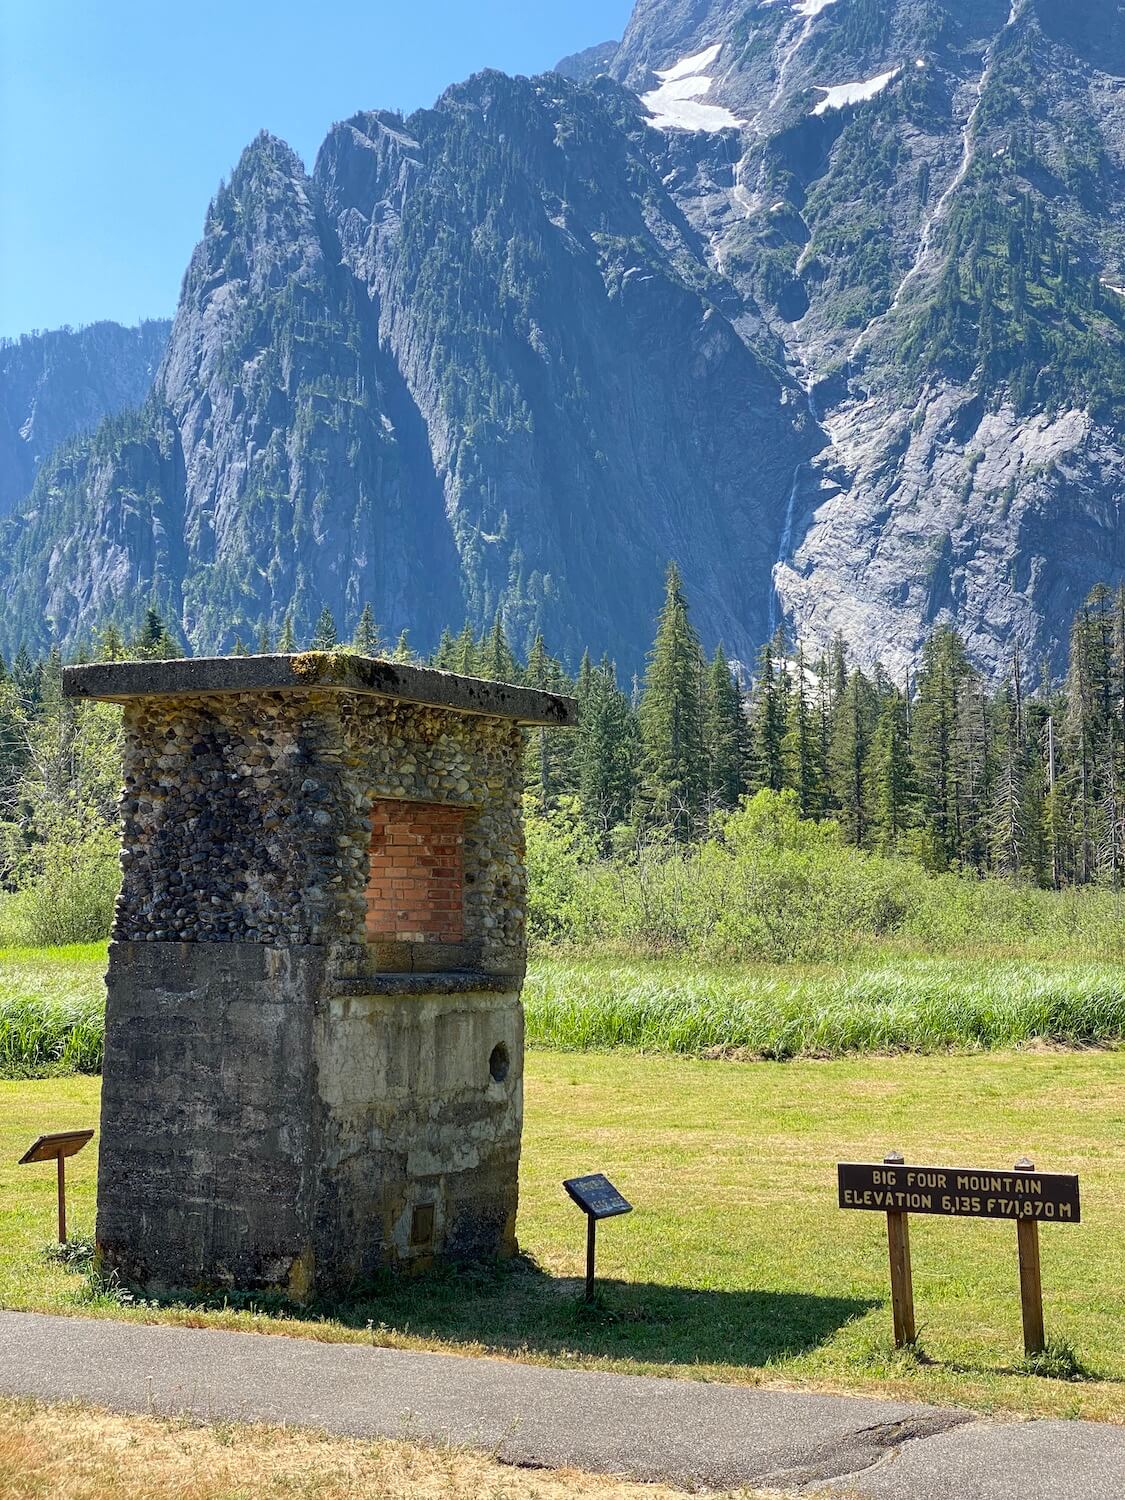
(324,636)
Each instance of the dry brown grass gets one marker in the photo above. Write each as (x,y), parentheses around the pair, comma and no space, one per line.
(81,1453)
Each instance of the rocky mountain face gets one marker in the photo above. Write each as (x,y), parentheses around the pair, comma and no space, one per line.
(55,385)
(587,64)
(925,199)
(478,361)
(819,297)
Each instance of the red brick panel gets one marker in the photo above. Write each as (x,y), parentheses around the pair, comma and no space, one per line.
(415,888)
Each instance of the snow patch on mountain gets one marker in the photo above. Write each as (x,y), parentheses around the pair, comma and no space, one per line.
(843,94)
(675,104)
(689,67)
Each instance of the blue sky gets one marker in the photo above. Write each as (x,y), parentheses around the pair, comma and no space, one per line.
(119,118)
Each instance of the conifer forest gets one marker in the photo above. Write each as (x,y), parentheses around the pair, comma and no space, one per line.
(1024,781)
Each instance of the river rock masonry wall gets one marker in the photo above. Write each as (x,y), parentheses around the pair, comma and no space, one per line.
(314,1036)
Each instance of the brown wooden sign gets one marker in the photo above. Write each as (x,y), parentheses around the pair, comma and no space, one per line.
(1023,1195)
(970,1192)
(51,1147)
(57,1148)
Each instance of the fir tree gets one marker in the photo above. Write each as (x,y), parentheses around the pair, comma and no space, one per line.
(443,657)
(975,763)
(1025,785)
(27,678)
(1113,806)
(1090,781)
(16,717)
(540,667)
(671,718)
(784,689)
(837,671)
(605,752)
(1009,825)
(465,653)
(890,775)
(585,672)
(551,753)
(111,644)
(496,661)
(725,735)
(365,637)
(768,702)
(852,734)
(822,723)
(324,636)
(1055,820)
(51,695)
(403,651)
(806,759)
(935,725)
(154,641)
(265,643)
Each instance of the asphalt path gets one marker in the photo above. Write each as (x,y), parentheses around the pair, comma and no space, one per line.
(682,1432)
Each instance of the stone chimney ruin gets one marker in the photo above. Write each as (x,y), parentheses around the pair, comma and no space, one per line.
(314,1036)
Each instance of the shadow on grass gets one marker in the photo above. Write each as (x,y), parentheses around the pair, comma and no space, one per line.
(516,1307)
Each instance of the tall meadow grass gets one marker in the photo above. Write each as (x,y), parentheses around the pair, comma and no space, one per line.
(905,1005)
(52,1010)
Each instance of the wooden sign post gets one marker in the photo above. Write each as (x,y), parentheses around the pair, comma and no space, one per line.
(598,1199)
(57,1148)
(902,1280)
(1031,1281)
(1023,1194)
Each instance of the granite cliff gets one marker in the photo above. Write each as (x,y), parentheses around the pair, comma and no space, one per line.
(925,199)
(56,385)
(824,298)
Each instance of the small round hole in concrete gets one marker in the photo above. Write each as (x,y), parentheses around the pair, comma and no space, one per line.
(499,1063)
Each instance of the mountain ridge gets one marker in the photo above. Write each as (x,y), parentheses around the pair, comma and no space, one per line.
(56,384)
(856,360)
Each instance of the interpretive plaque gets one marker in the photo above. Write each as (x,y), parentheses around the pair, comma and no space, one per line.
(57,1148)
(598,1199)
(597,1196)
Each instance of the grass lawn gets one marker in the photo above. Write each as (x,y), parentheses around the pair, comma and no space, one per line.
(77,1453)
(737,1264)
(71,973)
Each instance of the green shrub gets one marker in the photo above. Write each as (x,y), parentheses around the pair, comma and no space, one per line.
(559,849)
(770,886)
(66,888)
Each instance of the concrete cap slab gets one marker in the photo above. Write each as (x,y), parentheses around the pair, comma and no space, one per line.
(122,681)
